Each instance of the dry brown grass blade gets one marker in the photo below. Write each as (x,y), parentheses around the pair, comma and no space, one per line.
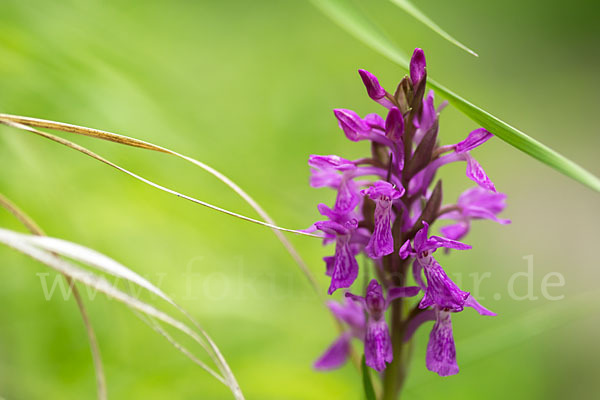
(34,228)
(113,137)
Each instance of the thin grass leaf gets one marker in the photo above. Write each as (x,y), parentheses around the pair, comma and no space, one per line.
(113,137)
(367,383)
(348,17)
(21,243)
(34,228)
(157,328)
(411,9)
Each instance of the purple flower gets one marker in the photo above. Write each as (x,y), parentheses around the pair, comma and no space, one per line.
(417,66)
(345,266)
(374,89)
(440,290)
(382,242)
(378,345)
(441,351)
(337,353)
(461,153)
(474,203)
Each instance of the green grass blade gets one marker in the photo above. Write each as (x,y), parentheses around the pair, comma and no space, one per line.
(345,14)
(367,384)
(411,9)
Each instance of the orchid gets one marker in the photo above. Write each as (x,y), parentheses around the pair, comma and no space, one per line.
(385,206)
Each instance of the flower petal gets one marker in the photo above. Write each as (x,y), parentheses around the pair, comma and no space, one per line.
(406,291)
(478,175)
(336,355)
(476,138)
(378,345)
(417,66)
(441,351)
(352,124)
(471,302)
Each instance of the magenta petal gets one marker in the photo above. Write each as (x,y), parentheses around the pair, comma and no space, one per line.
(456,231)
(416,322)
(441,352)
(336,355)
(374,89)
(441,290)
(471,302)
(394,124)
(435,242)
(345,269)
(350,312)
(407,291)
(417,66)
(348,196)
(352,124)
(475,139)
(375,121)
(378,346)
(330,162)
(406,250)
(478,175)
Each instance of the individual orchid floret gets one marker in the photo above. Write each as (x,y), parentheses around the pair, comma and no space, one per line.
(345,266)
(440,290)
(374,89)
(417,67)
(474,203)
(353,316)
(378,345)
(382,242)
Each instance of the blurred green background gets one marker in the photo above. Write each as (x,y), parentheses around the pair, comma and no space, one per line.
(248,87)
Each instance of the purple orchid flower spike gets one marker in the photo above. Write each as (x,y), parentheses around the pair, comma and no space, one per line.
(474,203)
(382,242)
(417,67)
(345,266)
(378,345)
(389,195)
(374,89)
(353,316)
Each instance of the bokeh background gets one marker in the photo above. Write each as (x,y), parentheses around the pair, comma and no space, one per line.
(248,87)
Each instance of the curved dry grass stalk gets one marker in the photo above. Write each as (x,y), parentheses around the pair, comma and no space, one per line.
(34,228)
(157,328)
(19,121)
(44,253)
